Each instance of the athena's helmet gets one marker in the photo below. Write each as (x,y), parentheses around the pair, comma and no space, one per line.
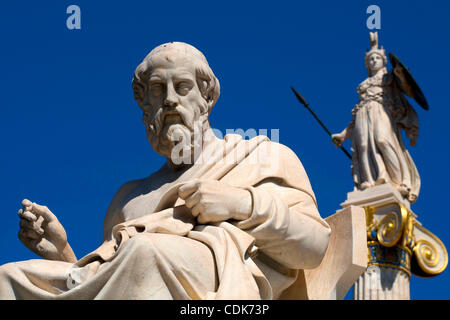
(374,49)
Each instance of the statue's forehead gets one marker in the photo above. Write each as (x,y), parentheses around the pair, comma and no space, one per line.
(171,63)
(376,54)
(171,71)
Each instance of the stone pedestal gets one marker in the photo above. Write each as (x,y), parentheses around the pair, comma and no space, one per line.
(344,261)
(398,245)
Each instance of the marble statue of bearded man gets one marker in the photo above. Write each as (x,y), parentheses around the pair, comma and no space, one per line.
(221,219)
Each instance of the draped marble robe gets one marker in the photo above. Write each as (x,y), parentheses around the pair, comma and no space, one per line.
(154,249)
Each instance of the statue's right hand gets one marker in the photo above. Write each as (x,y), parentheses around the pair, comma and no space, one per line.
(338,139)
(41,232)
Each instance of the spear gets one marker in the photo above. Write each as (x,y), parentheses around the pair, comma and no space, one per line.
(303,101)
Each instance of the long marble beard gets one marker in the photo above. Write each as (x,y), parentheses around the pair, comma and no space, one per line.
(156,126)
(174,135)
(174,140)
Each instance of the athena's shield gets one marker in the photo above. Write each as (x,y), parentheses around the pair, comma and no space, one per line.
(413,87)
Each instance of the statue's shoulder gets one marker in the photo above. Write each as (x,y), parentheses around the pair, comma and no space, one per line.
(275,150)
(388,78)
(275,144)
(129,186)
(282,162)
(363,86)
(264,149)
(114,212)
(382,80)
(124,191)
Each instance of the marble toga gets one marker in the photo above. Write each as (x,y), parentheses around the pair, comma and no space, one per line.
(154,249)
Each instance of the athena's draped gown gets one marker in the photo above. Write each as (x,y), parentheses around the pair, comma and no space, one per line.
(379,154)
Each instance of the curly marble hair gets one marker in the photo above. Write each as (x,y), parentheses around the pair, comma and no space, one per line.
(206,80)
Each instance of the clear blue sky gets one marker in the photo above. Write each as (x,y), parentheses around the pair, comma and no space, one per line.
(71,132)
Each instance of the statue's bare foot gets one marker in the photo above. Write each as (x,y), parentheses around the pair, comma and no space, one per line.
(365,185)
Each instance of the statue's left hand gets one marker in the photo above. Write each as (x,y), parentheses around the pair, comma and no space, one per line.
(215,201)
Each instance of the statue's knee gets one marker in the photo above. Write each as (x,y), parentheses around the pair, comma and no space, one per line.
(382,143)
(2,272)
(5,271)
(142,244)
(363,147)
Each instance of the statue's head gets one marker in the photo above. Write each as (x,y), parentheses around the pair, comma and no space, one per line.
(375,62)
(176,90)
(375,58)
